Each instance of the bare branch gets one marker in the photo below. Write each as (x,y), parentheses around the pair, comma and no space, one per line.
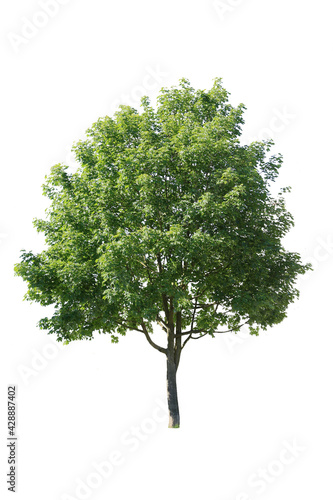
(200,336)
(205,306)
(189,331)
(157,347)
(206,333)
(161,322)
(185,342)
(233,329)
(200,294)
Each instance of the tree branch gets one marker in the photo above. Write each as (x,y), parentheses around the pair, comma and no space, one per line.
(166,307)
(161,322)
(157,347)
(185,342)
(188,332)
(196,338)
(216,270)
(193,315)
(233,329)
(205,306)
(200,336)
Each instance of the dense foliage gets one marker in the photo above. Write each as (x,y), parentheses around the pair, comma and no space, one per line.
(168,220)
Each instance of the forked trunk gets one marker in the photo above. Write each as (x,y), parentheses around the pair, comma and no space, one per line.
(172,392)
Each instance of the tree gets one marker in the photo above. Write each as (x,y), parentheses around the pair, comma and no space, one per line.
(168,221)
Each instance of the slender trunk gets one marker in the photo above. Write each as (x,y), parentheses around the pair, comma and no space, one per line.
(172,391)
(172,365)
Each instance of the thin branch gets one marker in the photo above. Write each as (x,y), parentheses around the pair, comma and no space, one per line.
(189,331)
(200,336)
(193,316)
(216,270)
(162,326)
(148,268)
(185,342)
(196,338)
(160,320)
(200,294)
(233,329)
(203,306)
(157,347)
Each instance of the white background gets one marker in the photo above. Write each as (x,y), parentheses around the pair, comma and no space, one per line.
(243,400)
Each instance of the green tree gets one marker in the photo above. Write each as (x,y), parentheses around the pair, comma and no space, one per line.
(168,221)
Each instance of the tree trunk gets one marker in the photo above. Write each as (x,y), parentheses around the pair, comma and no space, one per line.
(172,392)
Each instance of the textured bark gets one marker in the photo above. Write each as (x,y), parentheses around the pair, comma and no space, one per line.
(178,342)
(174,420)
(172,365)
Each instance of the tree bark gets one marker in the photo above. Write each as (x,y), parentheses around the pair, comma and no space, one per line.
(172,364)
(174,420)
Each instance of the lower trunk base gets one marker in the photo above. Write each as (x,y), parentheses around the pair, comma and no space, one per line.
(174,421)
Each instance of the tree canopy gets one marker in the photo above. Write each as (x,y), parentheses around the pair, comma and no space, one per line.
(168,220)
